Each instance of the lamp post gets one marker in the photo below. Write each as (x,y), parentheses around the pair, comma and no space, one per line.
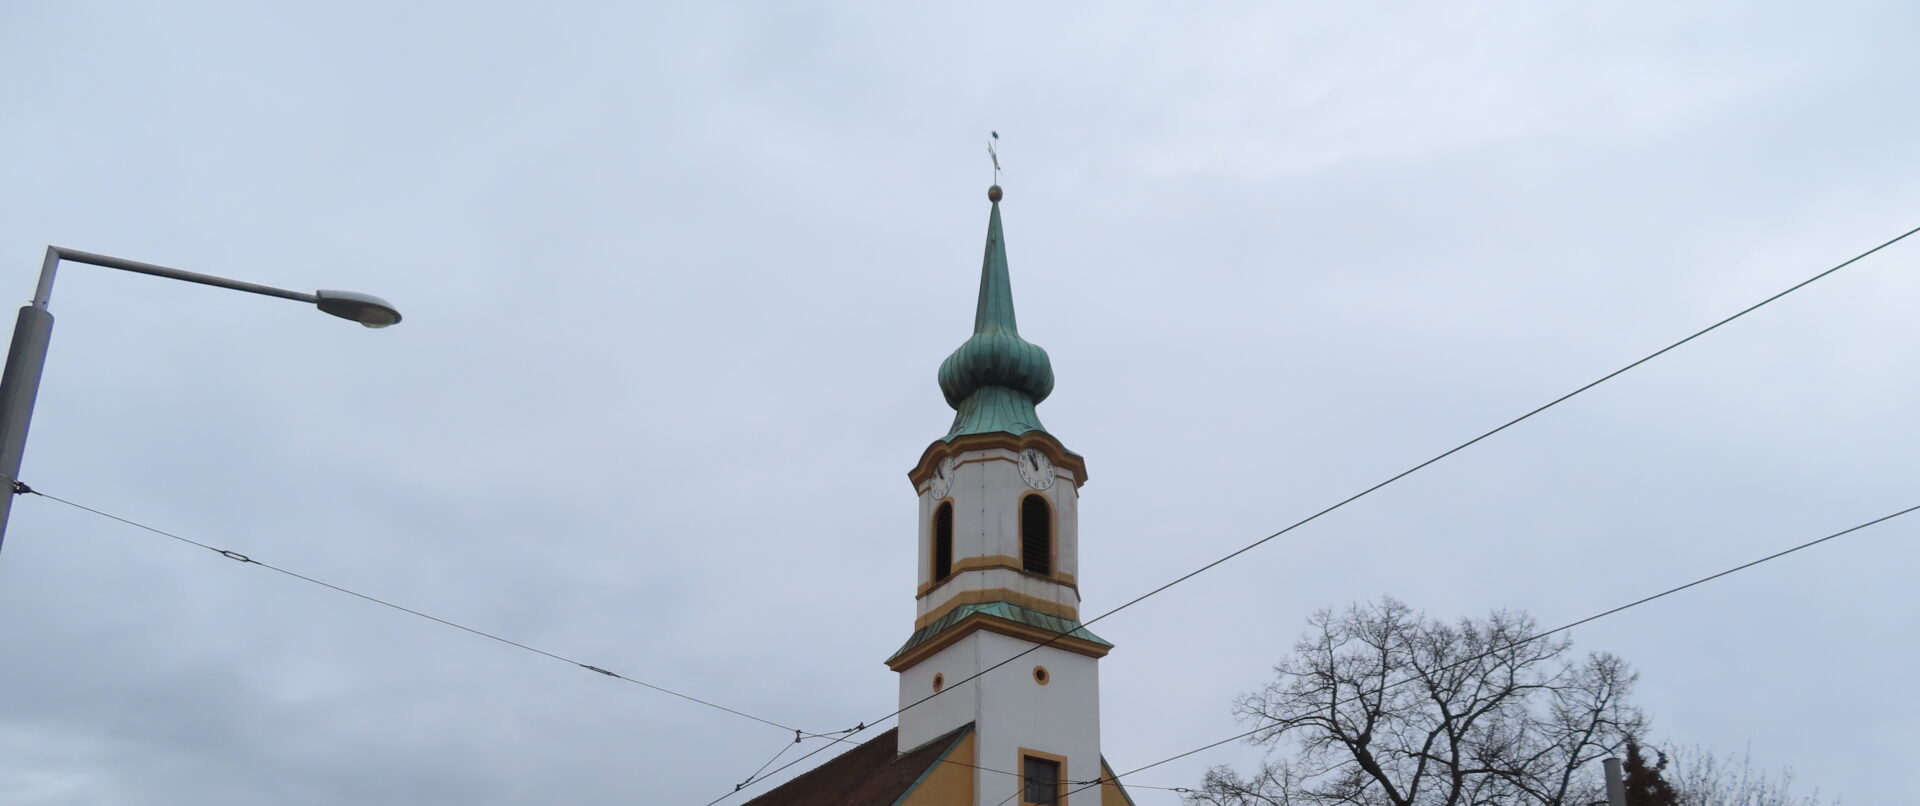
(27,355)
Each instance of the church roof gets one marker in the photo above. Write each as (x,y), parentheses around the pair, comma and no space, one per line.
(871,774)
(994,380)
(1005,610)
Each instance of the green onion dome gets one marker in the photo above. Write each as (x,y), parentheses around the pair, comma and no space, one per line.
(996,358)
(994,380)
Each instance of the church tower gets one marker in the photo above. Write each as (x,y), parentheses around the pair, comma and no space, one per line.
(998,573)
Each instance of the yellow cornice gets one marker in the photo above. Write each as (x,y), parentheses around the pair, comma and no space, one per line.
(982,621)
(975,442)
(984,595)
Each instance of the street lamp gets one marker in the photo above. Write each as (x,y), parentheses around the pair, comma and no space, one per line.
(28,354)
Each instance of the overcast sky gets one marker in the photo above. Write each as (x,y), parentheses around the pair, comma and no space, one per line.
(677,280)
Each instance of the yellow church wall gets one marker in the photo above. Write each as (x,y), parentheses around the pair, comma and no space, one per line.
(1110,792)
(947,784)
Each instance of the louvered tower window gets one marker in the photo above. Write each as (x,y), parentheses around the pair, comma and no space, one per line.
(943,541)
(1036,534)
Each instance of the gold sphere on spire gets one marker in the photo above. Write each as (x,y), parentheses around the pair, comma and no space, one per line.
(993,194)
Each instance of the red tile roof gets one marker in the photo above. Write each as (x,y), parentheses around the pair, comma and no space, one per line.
(868,775)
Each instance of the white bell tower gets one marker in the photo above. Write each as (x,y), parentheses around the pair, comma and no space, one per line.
(998,571)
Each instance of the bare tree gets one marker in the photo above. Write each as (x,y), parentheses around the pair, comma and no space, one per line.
(1381,706)
(1705,779)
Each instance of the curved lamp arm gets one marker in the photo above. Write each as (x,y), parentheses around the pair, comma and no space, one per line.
(366,309)
(27,354)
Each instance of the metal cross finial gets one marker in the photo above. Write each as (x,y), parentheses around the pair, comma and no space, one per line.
(994,153)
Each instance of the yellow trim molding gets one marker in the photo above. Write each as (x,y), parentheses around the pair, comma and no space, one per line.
(984,595)
(1060,786)
(982,621)
(992,561)
(1042,440)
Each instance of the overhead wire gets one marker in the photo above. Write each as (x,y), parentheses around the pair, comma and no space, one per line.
(1527,640)
(836,737)
(1416,468)
(1400,475)
(757,776)
(20,488)
(798,737)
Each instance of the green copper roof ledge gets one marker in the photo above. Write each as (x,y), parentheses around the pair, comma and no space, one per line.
(1005,610)
(994,381)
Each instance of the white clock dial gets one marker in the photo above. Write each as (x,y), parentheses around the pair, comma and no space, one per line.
(1036,468)
(943,477)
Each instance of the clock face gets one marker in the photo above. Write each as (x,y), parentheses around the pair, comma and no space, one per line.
(943,477)
(1036,468)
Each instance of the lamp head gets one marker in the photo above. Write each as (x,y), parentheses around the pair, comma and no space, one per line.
(366,309)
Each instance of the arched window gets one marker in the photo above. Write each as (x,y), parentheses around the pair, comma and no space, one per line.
(943,541)
(1036,534)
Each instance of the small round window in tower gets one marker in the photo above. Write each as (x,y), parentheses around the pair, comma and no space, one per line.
(939,682)
(1040,675)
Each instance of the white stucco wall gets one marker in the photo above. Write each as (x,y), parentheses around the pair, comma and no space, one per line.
(986,494)
(957,706)
(1009,710)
